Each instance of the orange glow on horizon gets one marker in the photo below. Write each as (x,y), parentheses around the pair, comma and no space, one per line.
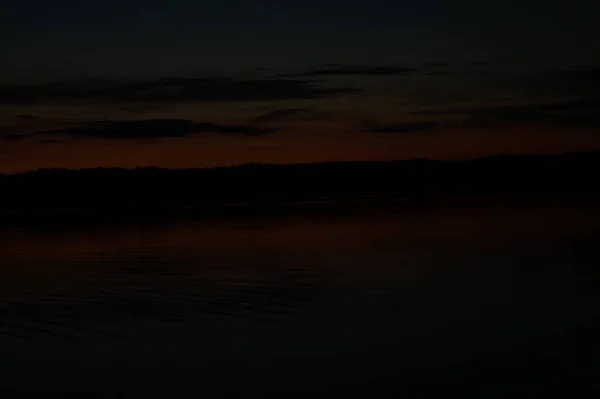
(288,149)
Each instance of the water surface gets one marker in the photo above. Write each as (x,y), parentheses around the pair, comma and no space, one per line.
(488,300)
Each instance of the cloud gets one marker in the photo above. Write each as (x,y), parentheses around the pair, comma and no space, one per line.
(473,72)
(580,114)
(482,63)
(50,141)
(153,128)
(171,90)
(13,137)
(521,110)
(400,127)
(25,117)
(343,70)
(278,114)
(584,120)
(578,78)
(296,115)
(566,83)
(437,64)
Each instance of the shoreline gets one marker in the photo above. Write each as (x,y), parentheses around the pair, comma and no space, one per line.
(291,208)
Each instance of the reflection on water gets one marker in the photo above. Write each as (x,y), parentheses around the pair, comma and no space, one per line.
(485,300)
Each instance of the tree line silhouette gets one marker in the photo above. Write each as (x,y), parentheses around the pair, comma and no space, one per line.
(151,187)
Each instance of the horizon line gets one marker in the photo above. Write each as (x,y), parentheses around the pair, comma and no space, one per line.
(436,160)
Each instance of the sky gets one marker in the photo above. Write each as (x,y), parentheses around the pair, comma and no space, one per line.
(185,83)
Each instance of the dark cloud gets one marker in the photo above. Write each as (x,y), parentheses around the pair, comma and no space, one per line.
(437,64)
(278,114)
(584,81)
(580,120)
(576,82)
(295,114)
(479,73)
(481,63)
(400,127)
(584,113)
(25,117)
(13,137)
(153,128)
(523,110)
(171,90)
(316,115)
(50,141)
(342,70)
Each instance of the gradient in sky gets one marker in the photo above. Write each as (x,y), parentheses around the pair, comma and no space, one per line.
(196,83)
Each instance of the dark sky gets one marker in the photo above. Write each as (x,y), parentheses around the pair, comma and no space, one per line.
(199,83)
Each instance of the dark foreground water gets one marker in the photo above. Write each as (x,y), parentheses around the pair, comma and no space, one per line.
(487,301)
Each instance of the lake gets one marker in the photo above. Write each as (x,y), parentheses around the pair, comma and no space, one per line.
(490,300)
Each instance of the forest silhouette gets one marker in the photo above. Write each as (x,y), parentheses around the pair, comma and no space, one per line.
(145,188)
